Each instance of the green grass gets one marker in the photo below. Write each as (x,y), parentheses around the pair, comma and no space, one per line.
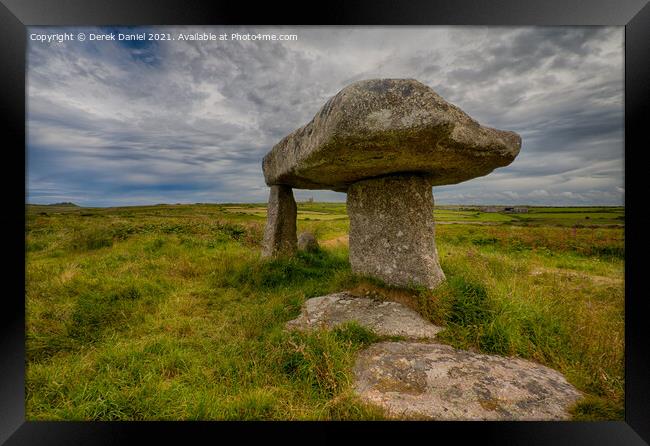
(536,216)
(167,312)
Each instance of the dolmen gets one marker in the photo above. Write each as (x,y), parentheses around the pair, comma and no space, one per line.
(385,142)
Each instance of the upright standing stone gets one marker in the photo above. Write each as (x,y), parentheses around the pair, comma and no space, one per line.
(392,230)
(280,231)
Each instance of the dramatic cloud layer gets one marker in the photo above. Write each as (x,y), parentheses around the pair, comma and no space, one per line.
(122,123)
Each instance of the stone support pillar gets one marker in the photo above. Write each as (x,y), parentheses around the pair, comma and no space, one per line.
(280,232)
(392,231)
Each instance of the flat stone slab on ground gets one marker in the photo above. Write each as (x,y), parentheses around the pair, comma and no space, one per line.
(383,318)
(421,380)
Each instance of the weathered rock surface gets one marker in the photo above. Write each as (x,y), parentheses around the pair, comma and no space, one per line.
(379,127)
(392,231)
(280,231)
(383,318)
(307,242)
(385,142)
(420,380)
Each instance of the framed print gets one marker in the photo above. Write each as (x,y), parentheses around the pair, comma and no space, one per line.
(378,221)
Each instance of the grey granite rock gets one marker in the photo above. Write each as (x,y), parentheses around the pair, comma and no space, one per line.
(386,142)
(280,232)
(392,231)
(383,318)
(307,242)
(379,127)
(420,380)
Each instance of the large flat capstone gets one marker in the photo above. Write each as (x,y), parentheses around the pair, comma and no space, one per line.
(382,317)
(380,127)
(421,380)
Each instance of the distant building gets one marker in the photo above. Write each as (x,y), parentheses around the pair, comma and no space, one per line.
(509,210)
(516,210)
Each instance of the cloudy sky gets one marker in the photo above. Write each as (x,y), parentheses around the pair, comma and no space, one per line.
(124,123)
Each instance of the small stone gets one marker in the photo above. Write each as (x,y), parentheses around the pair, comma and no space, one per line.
(307,242)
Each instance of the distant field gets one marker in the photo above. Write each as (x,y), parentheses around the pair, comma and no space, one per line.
(539,215)
(303,214)
(558,216)
(167,312)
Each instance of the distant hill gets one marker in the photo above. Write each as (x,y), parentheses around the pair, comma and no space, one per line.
(64,204)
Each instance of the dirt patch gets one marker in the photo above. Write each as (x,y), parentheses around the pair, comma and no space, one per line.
(596,279)
(68,273)
(342,240)
(401,296)
(461,222)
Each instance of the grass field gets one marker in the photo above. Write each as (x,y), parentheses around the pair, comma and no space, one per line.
(166,312)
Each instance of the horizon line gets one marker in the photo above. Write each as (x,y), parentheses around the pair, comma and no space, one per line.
(326,202)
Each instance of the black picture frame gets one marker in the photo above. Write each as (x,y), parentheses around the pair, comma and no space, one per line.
(16,15)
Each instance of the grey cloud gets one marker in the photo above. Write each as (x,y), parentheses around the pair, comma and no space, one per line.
(191,121)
